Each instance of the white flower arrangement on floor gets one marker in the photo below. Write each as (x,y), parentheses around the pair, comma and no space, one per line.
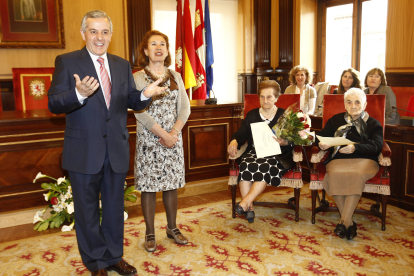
(61,201)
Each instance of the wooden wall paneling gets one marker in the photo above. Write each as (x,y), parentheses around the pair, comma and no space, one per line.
(262,35)
(245,38)
(399,56)
(285,36)
(403,79)
(409,173)
(139,23)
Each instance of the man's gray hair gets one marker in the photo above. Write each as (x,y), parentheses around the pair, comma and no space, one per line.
(95,14)
(357,92)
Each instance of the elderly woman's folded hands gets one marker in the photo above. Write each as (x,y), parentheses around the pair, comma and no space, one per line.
(348,149)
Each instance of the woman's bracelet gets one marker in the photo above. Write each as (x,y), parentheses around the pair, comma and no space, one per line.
(178,132)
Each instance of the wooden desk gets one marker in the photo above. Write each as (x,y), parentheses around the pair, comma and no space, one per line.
(32,142)
(401,141)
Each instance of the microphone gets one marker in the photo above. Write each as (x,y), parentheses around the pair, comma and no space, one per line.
(394,107)
(405,120)
(211,100)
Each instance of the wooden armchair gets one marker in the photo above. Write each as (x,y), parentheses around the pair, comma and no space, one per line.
(379,184)
(293,178)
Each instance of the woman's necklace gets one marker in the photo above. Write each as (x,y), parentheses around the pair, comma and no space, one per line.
(269,112)
(165,76)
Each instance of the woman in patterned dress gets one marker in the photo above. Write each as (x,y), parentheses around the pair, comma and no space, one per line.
(257,173)
(159,158)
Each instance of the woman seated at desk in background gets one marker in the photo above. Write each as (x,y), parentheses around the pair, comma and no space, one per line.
(299,77)
(376,83)
(349,167)
(257,173)
(349,78)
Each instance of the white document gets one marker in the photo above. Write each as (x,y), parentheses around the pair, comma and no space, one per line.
(334,141)
(264,143)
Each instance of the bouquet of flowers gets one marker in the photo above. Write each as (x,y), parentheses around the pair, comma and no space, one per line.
(294,126)
(61,201)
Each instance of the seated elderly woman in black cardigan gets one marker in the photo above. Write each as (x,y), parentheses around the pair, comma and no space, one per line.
(349,167)
(257,173)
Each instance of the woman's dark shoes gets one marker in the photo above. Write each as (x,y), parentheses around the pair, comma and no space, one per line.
(176,235)
(150,245)
(351,232)
(340,230)
(249,216)
(239,210)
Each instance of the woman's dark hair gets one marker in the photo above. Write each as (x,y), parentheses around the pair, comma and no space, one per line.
(355,75)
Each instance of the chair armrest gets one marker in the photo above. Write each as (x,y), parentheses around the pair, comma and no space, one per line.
(239,151)
(384,158)
(317,154)
(297,154)
(386,151)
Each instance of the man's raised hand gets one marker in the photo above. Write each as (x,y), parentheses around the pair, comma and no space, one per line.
(153,89)
(87,86)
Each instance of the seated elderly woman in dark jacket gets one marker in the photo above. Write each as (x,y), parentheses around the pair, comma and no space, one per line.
(350,166)
(257,173)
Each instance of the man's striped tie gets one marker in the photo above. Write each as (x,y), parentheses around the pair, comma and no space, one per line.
(106,83)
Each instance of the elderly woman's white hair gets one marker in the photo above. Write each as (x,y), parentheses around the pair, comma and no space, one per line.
(357,92)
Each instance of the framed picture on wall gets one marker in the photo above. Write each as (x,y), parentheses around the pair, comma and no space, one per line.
(31,24)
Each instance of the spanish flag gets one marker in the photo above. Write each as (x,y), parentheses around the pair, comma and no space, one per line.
(189,54)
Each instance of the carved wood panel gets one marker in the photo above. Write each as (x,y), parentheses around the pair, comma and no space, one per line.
(262,35)
(139,23)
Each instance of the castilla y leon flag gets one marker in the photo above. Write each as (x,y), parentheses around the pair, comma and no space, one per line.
(199,44)
(209,50)
(189,55)
(179,41)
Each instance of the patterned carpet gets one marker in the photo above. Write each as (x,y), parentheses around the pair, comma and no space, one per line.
(219,245)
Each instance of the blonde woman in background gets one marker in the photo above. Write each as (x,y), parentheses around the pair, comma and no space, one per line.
(299,76)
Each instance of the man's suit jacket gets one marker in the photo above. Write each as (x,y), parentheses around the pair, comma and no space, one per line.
(92,129)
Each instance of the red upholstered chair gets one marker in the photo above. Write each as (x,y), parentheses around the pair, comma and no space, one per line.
(31,86)
(293,178)
(410,107)
(333,87)
(379,184)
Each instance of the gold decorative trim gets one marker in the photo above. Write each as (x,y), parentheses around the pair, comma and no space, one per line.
(22,193)
(406,174)
(31,141)
(221,118)
(31,134)
(22,85)
(189,148)
(402,143)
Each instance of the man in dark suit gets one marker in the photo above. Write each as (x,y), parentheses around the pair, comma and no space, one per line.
(95,89)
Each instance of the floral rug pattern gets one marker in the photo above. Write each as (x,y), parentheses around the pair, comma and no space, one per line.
(219,245)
